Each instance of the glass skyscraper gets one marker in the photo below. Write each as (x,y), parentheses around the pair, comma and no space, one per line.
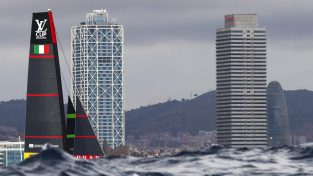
(241,82)
(278,124)
(97,71)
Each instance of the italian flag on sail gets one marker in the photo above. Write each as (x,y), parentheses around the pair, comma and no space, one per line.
(41,49)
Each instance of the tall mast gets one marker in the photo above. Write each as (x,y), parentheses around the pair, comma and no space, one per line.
(45,120)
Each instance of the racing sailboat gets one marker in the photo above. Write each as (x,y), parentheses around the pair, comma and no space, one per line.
(45,118)
(70,126)
(44,109)
(86,144)
(80,138)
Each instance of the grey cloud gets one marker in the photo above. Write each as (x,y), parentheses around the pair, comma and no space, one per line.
(169,45)
(148,21)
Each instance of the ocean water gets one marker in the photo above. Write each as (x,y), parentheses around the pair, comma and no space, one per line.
(213,161)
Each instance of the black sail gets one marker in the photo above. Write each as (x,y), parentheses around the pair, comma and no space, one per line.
(86,144)
(70,126)
(45,120)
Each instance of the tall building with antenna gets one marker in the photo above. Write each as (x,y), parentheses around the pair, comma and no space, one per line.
(241,82)
(97,74)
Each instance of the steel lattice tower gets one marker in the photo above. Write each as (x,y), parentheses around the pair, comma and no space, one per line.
(97,74)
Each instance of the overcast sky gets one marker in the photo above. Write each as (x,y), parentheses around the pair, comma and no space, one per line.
(169,44)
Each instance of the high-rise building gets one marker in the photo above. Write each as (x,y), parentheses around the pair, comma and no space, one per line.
(97,71)
(241,82)
(11,153)
(277,113)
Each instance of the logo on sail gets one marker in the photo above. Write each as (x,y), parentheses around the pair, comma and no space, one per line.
(41,32)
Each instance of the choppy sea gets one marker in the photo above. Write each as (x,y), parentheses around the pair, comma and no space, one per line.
(213,161)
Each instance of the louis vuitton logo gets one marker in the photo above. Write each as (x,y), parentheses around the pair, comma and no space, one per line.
(40,32)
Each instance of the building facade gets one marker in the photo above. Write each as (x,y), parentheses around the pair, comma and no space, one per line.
(277,113)
(241,82)
(97,74)
(11,153)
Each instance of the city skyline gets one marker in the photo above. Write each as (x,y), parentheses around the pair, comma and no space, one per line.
(184,41)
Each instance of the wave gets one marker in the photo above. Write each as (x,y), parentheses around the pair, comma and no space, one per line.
(213,161)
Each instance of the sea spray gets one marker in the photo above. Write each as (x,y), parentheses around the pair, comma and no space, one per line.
(212,161)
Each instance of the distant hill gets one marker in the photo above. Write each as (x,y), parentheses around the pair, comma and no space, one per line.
(199,114)
(300,110)
(174,116)
(12,114)
(183,115)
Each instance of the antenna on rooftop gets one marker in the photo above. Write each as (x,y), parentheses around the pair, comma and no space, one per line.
(114,20)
